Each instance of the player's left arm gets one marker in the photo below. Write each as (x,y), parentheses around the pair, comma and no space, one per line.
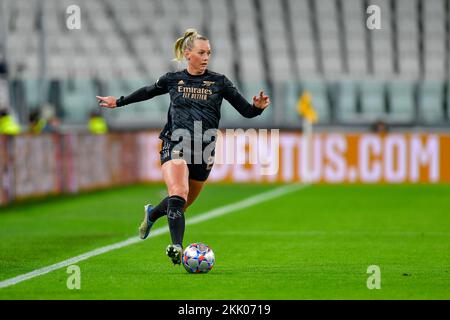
(232,95)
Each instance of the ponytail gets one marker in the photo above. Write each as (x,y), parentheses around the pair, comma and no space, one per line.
(186,42)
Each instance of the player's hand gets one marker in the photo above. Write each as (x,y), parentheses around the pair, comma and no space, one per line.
(261,101)
(107,102)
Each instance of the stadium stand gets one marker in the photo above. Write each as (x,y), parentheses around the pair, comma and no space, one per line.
(355,75)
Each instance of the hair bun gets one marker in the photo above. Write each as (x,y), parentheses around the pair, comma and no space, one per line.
(190,32)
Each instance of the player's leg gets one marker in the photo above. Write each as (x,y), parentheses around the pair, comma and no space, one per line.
(159,211)
(176,173)
(195,187)
(195,177)
(151,214)
(175,177)
(198,174)
(154,213)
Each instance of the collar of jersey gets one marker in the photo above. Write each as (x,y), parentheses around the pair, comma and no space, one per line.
(195,75)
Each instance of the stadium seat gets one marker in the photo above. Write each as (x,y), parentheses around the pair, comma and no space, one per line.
(32,92)
(78,100)
(291,94)
(346,102)
(372,99)
(431,99)
(401,101)
(302,32)
(447,110)
(323,41)
(329,39)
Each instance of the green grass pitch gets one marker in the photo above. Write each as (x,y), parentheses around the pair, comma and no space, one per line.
(314,243)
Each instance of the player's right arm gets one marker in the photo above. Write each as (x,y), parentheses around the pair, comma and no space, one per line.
(142,94)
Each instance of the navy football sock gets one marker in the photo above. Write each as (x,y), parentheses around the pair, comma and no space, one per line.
(175,217)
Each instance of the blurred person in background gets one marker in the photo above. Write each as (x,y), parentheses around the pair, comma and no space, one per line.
(97,124)
(196,94)
(8,124)
(39,124)
(380,127)
(4,86)
(3,66)
(35,123)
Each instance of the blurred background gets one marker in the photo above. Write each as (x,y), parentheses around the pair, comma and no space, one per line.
(357,76)
(57,55)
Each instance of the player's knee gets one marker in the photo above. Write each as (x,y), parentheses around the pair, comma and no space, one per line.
(180,191)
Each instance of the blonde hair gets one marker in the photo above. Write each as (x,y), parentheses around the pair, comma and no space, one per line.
(186,42)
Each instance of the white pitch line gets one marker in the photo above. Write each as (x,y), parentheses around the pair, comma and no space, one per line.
(265,196)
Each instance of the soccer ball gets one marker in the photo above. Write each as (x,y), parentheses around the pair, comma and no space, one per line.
(198,258)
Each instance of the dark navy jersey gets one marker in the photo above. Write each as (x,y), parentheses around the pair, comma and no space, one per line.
(193,98)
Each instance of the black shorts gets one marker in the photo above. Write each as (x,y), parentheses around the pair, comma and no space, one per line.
(198,170)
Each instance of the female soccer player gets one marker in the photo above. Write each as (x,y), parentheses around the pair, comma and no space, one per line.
(196,95)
